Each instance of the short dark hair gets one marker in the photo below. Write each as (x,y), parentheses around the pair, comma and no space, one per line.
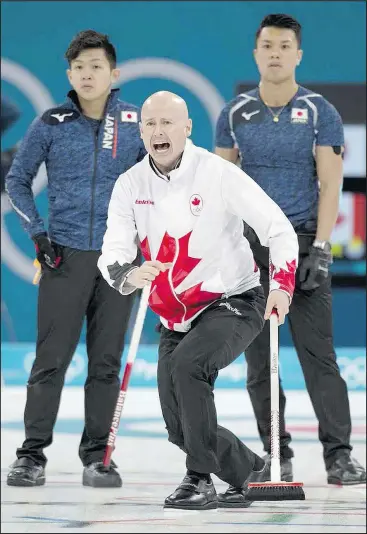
(91,39)
(279,20)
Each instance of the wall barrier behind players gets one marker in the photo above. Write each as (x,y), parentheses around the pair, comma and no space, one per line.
(17,360)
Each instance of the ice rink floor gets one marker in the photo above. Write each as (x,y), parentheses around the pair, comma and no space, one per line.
(152,468)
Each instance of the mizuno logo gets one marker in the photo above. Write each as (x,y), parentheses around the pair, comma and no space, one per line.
(248,116)
(60,117)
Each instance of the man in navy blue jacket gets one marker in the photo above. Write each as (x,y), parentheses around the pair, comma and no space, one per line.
(86,143)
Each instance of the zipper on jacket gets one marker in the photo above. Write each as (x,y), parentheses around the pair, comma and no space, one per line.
(93,188)
(96,136)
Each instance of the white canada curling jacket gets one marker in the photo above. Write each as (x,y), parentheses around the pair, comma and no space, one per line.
(193,219)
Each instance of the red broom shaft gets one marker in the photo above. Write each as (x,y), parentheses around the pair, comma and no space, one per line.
(133,349)
(117,415)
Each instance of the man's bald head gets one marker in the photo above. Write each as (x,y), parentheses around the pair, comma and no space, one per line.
(165,101)
(164,127)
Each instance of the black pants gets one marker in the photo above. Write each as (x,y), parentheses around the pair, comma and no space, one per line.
(65,298)
(188,366)
(310,321)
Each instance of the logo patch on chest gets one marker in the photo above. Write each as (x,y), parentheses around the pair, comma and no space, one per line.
(57,116)
(299,116)
(129,116)
(196,204)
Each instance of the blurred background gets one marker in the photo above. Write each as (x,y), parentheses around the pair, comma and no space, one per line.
(203,52)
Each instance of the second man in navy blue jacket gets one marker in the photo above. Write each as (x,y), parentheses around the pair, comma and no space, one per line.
(86,143)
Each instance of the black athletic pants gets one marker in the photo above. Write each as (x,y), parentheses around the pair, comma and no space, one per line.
(310,321)
(66,296)
(188,366)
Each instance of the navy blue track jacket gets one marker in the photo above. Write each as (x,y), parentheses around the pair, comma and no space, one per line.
(83,164)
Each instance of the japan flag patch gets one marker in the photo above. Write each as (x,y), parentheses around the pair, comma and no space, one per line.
(299,116)
(129,116)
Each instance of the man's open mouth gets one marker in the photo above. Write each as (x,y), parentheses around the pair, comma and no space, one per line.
(161,147)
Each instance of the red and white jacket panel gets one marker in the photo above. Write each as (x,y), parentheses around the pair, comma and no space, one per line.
(194,221)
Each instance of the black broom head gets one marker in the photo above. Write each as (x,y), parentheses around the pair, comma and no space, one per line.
(275,491)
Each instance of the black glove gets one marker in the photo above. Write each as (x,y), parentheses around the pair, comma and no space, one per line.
(314,268)
(46,254)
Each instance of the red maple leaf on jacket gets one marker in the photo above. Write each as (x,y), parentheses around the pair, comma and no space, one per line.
(175,307)
(284,277)
(196,201)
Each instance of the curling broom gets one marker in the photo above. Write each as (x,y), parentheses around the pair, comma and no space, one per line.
(275,490)
(133,349)
(38,273)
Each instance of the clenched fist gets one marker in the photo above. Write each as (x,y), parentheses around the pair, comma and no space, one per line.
(280,301)
(146,273)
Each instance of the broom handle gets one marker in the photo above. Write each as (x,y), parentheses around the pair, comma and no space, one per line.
(133,349)
(274,398)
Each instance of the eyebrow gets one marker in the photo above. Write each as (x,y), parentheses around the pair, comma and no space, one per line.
(270,41)
(83,61)
(162,118)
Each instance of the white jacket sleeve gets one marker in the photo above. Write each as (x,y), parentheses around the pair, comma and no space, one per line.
(119,247)
(244,198)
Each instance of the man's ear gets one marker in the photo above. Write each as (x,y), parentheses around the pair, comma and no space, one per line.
(115,74)
(189,128)
(300,55)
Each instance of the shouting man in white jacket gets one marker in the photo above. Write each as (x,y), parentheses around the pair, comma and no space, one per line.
(185,207)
